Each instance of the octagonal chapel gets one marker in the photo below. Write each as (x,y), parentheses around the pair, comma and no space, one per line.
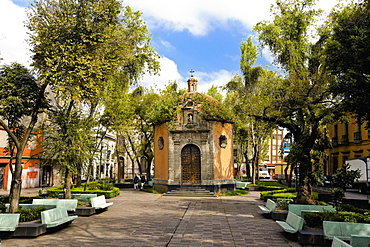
(196,151)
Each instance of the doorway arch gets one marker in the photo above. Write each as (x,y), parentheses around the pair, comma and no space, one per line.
(190,165)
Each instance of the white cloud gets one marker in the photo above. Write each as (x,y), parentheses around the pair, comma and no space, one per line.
(217,78)
(200,17)
(13,47)
(168,73)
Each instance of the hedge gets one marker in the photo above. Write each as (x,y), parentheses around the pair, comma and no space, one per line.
(54,192)
(315,219)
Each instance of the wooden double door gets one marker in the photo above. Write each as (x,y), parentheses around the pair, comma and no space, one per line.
(190,165)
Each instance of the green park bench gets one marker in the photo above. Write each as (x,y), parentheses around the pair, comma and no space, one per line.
(241,185)
(100,203)
(56,217)
(339,243)
(300,209)
(9,222)
(69,204)
(269,207)
(344,230)
(292,224)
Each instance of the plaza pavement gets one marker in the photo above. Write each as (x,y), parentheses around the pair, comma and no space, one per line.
(142,219)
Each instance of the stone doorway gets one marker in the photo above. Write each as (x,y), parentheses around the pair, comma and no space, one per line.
(190,165)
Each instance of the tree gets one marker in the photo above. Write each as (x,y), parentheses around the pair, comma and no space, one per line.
(22,98)
(246,101)
(301,102)
(213,92)
(80,46)
(348,54)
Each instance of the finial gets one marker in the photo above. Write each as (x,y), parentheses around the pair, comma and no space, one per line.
(191,73)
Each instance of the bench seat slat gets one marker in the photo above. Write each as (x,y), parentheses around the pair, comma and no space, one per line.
(286,227)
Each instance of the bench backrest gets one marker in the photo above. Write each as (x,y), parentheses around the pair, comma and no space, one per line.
(8,222)
(294,221)
(297,208)
(54,214)
(69,204)
(45,201)
(270,204)
(334,228)
(99,200)
(360,240)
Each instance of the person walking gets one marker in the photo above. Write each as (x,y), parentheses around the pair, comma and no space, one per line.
(143,180)
(136,182)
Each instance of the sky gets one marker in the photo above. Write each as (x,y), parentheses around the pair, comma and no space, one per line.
(202,35)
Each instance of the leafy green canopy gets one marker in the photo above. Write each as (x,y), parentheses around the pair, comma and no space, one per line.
(79,45)
(19,91)
(348,56)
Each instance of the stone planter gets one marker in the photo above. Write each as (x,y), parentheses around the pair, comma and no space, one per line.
(279,215)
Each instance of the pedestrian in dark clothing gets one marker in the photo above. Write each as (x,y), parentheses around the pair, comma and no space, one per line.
(136,182)
(143,180)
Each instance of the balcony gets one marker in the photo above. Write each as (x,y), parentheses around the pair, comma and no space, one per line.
(344,140)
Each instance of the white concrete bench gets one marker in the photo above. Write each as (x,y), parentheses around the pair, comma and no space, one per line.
(56,217)
(292,224)
(269,207)
(100,203)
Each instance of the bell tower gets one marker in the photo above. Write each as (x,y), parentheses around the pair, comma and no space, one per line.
(192,83)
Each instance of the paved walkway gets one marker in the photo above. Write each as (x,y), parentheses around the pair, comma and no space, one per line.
(142,219)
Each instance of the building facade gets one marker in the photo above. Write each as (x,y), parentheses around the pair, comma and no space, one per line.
(350,140)
(194,152)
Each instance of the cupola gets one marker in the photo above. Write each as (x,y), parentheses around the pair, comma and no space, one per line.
(192,83)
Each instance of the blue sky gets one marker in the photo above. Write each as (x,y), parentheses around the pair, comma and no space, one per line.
(202,35)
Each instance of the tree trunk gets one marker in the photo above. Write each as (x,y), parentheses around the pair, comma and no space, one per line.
(119,164)
(16,184)
(68,185)
(247,166)
(304,195)
(288,181)
(149,169)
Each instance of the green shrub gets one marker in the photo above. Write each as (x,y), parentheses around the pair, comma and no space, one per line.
(54,192)
(235,193)
(30,214)
(351,208)
(2,208)
(264,195)
(150,191)
(123,185)
(315,219)
(284,204)
(128,180)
